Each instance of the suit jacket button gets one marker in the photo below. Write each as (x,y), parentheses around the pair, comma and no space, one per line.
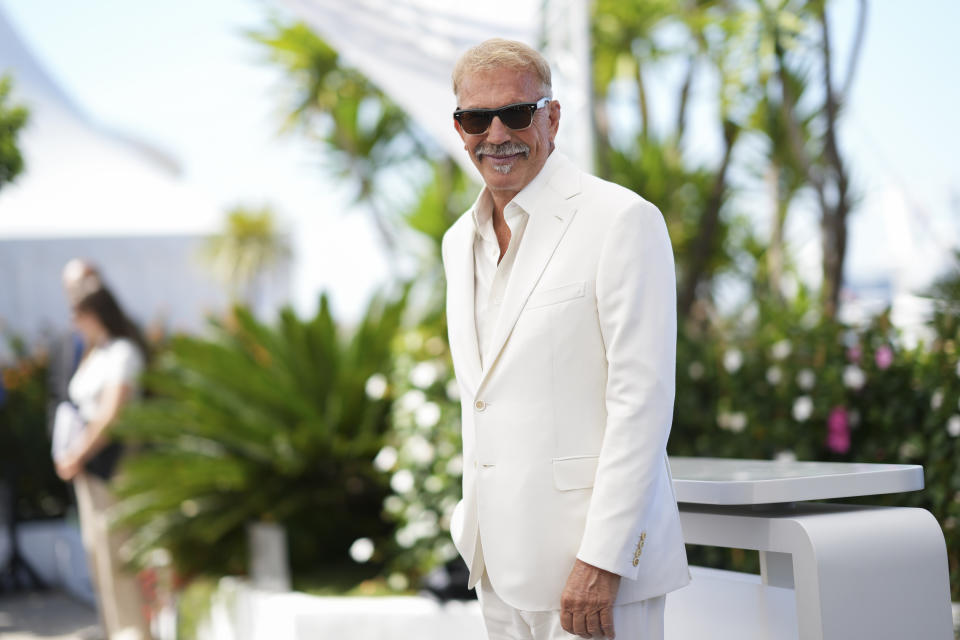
(480,405)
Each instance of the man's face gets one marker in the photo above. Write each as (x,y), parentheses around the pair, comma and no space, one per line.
(507,159)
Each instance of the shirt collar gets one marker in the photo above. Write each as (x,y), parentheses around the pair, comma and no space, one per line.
(523,202)
(483,216)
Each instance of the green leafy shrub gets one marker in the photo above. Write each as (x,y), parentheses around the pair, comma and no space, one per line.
(260,423)
(24,442)
(782,383)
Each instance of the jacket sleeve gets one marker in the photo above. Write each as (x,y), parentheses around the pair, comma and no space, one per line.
(636,304)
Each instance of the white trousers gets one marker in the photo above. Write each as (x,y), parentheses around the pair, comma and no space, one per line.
(118,594)
(634,621)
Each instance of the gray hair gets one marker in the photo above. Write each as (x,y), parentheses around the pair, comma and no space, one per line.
(498,53)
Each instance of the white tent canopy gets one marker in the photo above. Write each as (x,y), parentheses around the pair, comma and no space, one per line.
(80,179)
(408,49)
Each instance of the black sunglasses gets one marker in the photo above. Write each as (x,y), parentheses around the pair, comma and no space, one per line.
(517,116)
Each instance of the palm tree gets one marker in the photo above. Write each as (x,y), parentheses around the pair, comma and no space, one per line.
(247,249)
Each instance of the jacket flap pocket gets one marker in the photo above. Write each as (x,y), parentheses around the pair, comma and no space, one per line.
(556,295)
(574,473)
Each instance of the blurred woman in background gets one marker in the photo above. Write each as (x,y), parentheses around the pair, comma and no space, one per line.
(106,378)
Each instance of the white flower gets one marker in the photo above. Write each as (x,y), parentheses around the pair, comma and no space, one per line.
(361,550)
(393,504)
(738,421)
(802,408)
(695,370)
(735,421)
(854,377)
(423,375)
(958,368)
(411,400)
(446,449)
(786,456)
(397,581)
(402,481)
(376,386)
(453,389)
(447,551)
(418,450)
(427,415)
(781,349)
(435,345)
(806,378)
(936,400)
(732,360)
(447,505)
(953,426)
(189,508)
(386,459)
(455,466)
(774,375)
(908,450)
(433,484)
(406,537)
(810,319)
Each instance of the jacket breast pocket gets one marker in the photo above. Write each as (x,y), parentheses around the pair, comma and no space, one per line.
(556,295)
(574,472)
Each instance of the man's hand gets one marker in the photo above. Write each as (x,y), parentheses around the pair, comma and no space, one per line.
(586,605)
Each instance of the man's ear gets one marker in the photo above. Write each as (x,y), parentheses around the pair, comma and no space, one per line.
(553,111)
(459,129)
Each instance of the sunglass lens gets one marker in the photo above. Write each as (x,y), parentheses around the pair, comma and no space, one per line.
(518,117)
(474,123)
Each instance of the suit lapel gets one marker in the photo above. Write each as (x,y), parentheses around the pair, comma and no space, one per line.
(550,214)
(461,317)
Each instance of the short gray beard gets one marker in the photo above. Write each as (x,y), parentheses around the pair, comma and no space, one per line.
(505,149)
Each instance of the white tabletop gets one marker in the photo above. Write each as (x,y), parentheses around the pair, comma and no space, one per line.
(730,481)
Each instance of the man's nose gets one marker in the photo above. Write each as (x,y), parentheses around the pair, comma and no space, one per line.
(498,132)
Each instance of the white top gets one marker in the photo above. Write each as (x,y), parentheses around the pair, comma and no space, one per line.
(116,362)
(728,481)
(490,279)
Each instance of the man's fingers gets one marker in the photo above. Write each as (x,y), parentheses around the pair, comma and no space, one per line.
(566,620)
(594,627)
(580,625)
(606,622)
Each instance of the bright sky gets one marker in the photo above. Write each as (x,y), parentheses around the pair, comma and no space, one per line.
(182,74)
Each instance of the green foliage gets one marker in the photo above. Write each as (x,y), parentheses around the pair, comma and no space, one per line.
(12,119)
(781,382)
(24,443)
(260,423)
(368,141)
(246,249)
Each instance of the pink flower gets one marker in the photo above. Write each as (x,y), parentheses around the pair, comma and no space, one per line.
(854,353)
(838,430)
(884,356)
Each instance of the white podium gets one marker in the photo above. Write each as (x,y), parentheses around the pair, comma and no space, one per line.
(855,572)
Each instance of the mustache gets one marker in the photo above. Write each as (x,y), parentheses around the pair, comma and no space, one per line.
(505,149)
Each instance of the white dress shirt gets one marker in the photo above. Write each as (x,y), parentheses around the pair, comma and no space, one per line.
(490,278)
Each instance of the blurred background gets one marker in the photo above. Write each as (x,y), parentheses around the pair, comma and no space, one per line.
(265,186)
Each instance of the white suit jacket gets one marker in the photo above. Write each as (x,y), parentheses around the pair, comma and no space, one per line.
(565,432)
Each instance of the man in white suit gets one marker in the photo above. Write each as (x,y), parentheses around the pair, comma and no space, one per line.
(562,322)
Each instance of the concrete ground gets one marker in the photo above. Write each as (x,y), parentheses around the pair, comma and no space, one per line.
(51,615)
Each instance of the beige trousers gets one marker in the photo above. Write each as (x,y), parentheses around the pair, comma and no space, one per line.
(634,621)
(118,594)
